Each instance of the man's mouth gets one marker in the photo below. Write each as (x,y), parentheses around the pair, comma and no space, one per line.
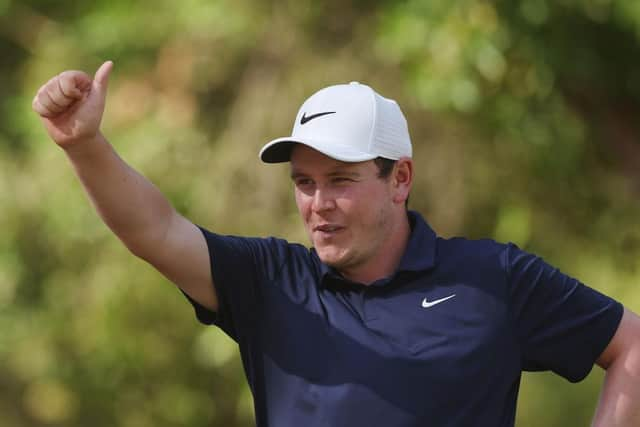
(328,228)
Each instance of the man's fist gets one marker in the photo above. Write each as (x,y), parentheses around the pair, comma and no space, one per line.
(71,105)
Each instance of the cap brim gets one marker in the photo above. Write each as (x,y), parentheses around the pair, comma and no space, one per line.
(279,150)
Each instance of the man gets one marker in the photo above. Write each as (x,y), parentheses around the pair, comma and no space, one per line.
(381,323)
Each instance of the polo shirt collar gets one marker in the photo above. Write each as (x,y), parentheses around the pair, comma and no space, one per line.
(419,255)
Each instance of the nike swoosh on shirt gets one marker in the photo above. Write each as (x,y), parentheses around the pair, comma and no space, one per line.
(427,304)
(304,119)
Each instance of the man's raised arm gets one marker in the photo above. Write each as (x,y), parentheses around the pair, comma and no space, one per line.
(71,105)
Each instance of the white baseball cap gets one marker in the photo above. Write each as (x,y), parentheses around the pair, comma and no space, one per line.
(347,122)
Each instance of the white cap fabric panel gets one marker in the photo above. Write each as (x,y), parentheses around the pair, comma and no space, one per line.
(391,135)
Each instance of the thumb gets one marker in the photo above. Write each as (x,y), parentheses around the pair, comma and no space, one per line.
(101,79)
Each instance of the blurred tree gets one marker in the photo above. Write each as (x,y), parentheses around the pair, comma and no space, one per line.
(523,116)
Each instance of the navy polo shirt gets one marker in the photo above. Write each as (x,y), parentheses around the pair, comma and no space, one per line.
(441,342)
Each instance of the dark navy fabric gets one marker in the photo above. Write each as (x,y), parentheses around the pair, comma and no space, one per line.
(319,350)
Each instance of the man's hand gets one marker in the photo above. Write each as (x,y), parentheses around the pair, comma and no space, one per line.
(71,105)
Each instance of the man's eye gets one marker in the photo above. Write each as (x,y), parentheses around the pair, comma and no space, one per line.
(342,179)
(303,182)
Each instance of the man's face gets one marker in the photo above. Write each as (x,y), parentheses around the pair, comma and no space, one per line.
(346,208)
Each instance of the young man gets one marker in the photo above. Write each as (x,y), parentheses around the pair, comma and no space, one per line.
(382,322)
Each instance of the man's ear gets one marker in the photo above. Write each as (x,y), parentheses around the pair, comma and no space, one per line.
(402,179)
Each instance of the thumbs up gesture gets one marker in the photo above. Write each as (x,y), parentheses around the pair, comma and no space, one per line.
(71,105)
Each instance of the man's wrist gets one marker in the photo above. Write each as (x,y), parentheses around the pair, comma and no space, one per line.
(86,146)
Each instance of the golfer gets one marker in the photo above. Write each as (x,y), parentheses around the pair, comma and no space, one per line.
(382,322)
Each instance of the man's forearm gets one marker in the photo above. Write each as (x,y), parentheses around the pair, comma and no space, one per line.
(619,404)
(132,207)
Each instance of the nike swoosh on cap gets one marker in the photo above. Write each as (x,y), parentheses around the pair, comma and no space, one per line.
(304,119)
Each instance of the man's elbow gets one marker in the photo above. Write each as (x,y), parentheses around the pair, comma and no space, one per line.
(624,349)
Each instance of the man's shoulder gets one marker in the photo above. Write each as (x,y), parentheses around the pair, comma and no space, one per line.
(469,252)
(257,247)
(267,241)
(471,247)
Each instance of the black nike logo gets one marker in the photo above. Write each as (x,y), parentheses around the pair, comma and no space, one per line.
(306,118)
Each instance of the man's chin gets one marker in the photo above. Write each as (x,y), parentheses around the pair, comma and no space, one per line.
(331,257)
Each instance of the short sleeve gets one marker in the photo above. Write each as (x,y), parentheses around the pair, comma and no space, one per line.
(240,267)
(562,325)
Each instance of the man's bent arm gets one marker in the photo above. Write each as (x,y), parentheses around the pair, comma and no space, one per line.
(619,404)
(71,107)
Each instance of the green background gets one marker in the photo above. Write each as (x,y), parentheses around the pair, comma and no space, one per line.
(523,114)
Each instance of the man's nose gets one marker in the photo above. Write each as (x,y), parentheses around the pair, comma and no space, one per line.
(323,200)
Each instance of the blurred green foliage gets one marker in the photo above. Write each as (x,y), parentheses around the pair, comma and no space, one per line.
(524,117)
